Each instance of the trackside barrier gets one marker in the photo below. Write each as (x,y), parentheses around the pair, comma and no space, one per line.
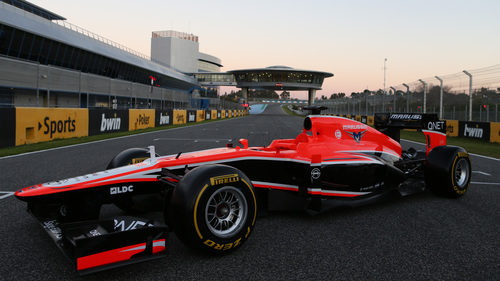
(357,118)
(474,130)
(495,132)
(200,115)
(452,128)
(27,125)
(102,121)
(486,131)
(8,127)
(370,120)
(163,117)
(179,116)
(34,124)
(141,119)
(191,116)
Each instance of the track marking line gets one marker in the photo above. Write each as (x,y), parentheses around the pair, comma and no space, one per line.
(482,173)
(117,138)
(487,183)
(7,194)
(478,155)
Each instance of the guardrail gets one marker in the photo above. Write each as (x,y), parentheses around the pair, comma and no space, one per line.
(99,38)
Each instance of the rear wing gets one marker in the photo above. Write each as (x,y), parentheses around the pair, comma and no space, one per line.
(429,124)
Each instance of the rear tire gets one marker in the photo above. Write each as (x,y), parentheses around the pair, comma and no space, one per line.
(213,208)
(448,171)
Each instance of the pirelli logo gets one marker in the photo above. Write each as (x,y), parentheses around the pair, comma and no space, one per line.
(224,179)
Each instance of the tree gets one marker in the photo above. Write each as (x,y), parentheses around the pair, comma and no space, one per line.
(285,95)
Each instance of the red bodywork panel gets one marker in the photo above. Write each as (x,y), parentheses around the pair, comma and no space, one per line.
(433,139)
(116,255)
(328,140)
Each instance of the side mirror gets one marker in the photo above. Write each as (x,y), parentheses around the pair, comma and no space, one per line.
(243,142)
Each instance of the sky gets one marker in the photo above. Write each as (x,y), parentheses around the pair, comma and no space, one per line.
(350,38)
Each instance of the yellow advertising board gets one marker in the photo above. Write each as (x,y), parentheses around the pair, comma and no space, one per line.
(235,113)
(494,132)
(452,128)
(44,124)
(200,115)
(370,121)
(358,118)
(179,116)
(141,119)
(222,114)
(214,114)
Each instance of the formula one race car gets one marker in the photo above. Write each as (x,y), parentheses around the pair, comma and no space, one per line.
(210,198)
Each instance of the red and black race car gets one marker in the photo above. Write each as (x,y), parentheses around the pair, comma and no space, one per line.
(210,198)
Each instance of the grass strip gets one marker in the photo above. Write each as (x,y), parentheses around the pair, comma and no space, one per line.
(290,112)
(65,142)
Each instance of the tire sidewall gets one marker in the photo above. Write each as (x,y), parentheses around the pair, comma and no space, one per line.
(454,185)
(440,170)
(191,197)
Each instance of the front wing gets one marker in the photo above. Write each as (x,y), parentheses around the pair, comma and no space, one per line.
(98,245)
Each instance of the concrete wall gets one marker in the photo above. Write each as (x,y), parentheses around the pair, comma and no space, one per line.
(28,75)
(179,54)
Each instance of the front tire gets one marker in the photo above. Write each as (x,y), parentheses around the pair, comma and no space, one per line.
(126,202)
(213,208)
(448,171)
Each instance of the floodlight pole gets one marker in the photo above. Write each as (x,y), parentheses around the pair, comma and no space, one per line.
(440,97)
(425,94)
(407,97)
(393,98)
(385,61)
(470,93)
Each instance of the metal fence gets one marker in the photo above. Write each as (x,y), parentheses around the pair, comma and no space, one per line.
(450,96)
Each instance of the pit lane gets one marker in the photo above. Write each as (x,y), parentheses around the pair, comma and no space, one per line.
(417,237)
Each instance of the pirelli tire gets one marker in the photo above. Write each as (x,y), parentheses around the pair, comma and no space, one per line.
(213,208)
(129,156)
(448,171)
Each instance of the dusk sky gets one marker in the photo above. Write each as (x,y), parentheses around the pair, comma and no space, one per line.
(348,38)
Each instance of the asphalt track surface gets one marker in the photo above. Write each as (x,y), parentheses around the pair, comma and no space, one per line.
(419,237)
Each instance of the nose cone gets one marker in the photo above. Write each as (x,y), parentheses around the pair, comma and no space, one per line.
(29,191)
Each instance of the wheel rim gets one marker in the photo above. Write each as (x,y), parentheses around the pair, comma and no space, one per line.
(226,211)
(462,171)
